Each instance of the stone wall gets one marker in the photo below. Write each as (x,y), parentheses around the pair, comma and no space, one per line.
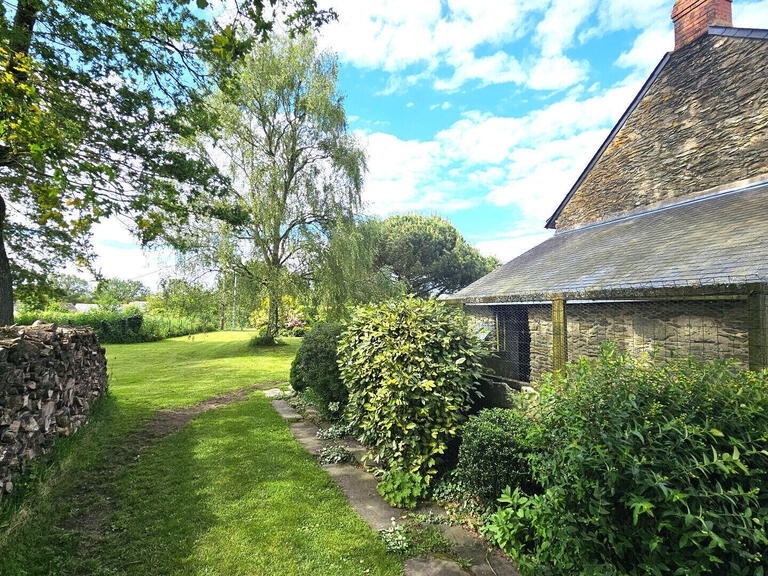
(702,329)
(49,379)
(703,124)
(540,325)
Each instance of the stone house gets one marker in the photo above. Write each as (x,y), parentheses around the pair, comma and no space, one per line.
(661,245)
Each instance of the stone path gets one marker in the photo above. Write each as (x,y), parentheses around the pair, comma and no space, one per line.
(359,487)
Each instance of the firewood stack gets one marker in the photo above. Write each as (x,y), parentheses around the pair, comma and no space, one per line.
(49,378)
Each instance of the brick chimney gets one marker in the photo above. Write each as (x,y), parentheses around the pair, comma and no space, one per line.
(693,18)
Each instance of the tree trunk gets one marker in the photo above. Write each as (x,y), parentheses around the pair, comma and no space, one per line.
(274,310)
(6,284)
(223,313)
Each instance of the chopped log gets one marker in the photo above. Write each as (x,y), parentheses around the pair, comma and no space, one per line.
(50,378)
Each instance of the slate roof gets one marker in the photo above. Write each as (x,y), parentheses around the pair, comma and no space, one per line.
(716,31)
(715,240)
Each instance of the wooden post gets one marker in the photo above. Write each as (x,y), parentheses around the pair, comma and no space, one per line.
(559,336)
(757,310)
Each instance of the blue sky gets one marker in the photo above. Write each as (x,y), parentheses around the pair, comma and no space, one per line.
(482,111)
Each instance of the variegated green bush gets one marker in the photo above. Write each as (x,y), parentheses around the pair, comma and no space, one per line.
(411,367)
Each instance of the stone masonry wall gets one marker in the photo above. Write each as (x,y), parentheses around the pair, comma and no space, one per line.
(540,325)
(703,124)
(702,329)
(49,379)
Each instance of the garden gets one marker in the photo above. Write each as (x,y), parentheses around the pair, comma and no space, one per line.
(624,466)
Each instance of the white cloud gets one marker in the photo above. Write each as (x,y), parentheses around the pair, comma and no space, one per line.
(527,162)
(394,35)
(556,73)
(648,49)
(751,14)
(118,255)
(616,15)
(499,68)
(556,31)
(508,246)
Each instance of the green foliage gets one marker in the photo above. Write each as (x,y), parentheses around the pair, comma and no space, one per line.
(495,452)
(316,365)
(429,256)
(179,297)
(346,273)
(402,489)
(647,468)
(112,292)
(140,71)
(411,367)
(335,432)
(414,539)
(261,340)
(290,316)
(121,327)
(335,454)
(282,137)
(183,505)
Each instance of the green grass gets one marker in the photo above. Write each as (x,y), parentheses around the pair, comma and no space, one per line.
(231,493)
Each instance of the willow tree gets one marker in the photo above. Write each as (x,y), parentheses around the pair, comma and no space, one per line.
(93,94)
(295,169)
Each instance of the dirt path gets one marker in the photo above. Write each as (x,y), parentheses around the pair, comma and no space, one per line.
(166,422)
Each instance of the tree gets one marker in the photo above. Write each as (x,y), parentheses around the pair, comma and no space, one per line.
(180,297)
(114,291)
(93,94)
(72,288)
(346,273)
(294,168)
(429,256)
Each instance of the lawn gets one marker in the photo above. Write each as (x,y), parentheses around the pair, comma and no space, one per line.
(230,493)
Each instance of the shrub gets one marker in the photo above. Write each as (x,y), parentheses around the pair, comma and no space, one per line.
(650,467)
(495,453)
(261,340)
(122,327)
(315,365)
(402,489)
(411,367)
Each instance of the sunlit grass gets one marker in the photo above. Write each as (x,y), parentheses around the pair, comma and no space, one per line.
(232,493)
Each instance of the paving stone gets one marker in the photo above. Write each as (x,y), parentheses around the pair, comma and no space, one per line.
(306,434)
(284,409)
(484,561)
(273,393)
(360,488)
(432,567)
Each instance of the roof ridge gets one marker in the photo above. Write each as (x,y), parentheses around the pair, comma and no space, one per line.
(656,209)
(734,32)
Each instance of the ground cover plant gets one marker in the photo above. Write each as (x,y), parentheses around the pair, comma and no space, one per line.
(411,367)
(402,489)
(647,467)
(147,488)
(335,454)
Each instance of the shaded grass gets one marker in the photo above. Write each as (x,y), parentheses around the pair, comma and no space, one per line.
(231,493)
